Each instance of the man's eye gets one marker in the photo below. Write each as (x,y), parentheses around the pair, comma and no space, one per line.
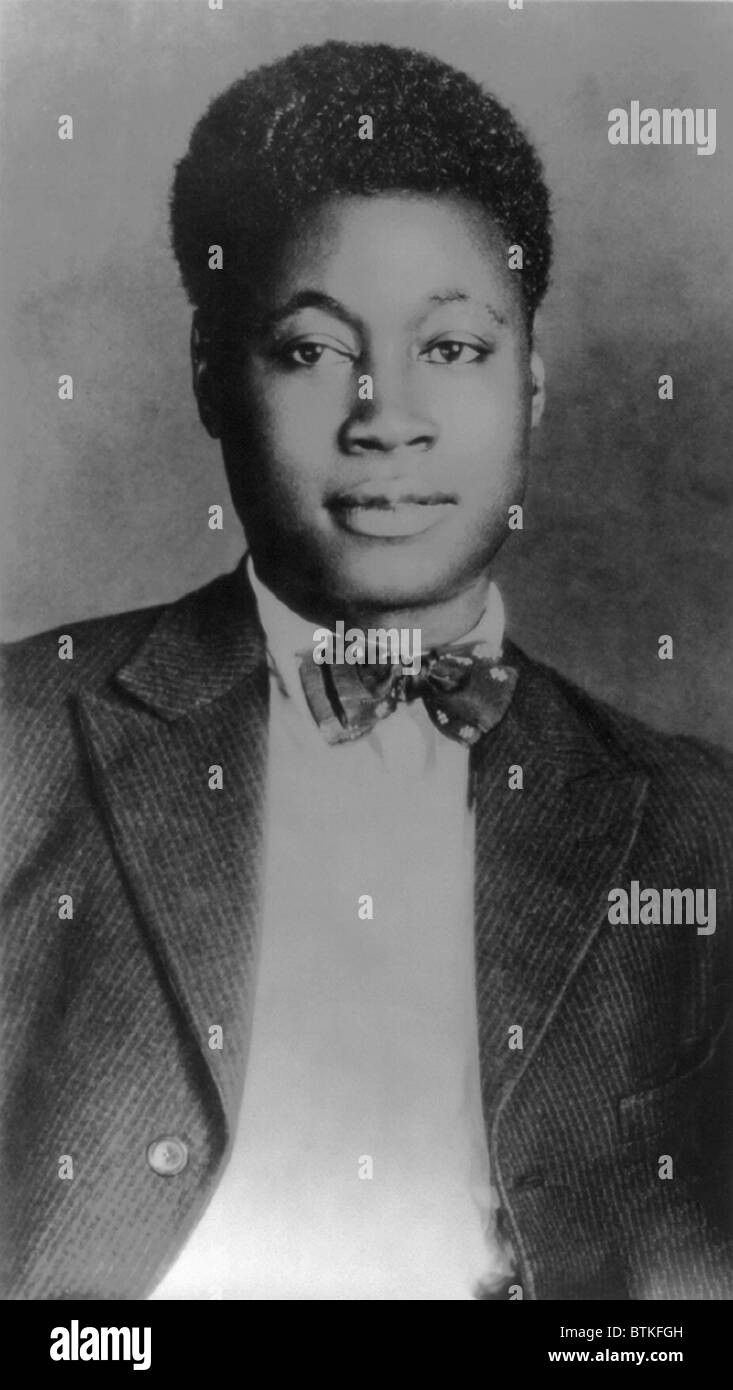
(451,350)
(311,353)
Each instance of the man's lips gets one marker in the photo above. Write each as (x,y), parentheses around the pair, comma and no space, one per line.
(390,509)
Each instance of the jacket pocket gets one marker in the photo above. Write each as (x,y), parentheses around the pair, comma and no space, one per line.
(672,1108)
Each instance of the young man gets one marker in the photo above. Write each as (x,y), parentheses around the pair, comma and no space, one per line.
(337,1007)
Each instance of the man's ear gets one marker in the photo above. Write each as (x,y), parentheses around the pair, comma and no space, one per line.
(537,369)
(206,386)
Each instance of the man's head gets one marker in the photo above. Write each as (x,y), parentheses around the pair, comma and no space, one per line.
(365,352)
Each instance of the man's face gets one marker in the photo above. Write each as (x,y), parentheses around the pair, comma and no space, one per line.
(356,505)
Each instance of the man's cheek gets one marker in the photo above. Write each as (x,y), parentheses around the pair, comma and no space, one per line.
(313,398)
(487,496)
(317,422)
(489,469)
(482,422)
(298,433)
(297,491)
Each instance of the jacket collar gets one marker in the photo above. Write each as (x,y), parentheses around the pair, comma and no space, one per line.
(207,642)
(198,649)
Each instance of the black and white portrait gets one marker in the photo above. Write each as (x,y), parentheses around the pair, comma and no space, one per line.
(366,596)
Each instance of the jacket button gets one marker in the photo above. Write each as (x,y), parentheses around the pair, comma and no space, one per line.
(168,1155)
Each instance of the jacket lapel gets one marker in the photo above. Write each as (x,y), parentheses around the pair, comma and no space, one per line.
(546,856)
(192,855)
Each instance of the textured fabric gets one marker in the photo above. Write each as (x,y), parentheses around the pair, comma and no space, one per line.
(464,692)
(626,1039)
(359,1167)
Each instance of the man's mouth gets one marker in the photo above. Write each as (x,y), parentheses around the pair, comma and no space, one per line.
(390,510)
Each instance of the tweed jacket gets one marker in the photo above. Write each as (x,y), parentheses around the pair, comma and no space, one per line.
(105,1017)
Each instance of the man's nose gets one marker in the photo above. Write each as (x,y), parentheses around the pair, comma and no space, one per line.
(394,418)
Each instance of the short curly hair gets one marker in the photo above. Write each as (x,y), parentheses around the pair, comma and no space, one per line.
(287,135)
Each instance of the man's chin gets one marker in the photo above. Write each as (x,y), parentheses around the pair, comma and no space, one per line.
(350,581)
(391,585)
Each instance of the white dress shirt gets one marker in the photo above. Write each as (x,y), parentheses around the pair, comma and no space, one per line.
(359,1168)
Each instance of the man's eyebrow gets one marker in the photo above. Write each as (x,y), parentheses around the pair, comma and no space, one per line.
(309,299)
(317,299)
(453,296)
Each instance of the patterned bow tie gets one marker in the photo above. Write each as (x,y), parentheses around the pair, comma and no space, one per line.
(465,692)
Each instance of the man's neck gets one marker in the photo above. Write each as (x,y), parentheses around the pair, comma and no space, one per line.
(438,623)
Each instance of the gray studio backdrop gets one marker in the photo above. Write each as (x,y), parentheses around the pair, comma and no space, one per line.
(628,517)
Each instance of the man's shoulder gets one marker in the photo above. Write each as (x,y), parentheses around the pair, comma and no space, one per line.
(687,774)
(689,799)
(49,666)
(81,652)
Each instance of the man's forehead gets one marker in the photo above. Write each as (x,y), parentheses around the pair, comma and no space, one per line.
(411,252)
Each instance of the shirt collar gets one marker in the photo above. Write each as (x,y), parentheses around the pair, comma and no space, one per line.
(288,635)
